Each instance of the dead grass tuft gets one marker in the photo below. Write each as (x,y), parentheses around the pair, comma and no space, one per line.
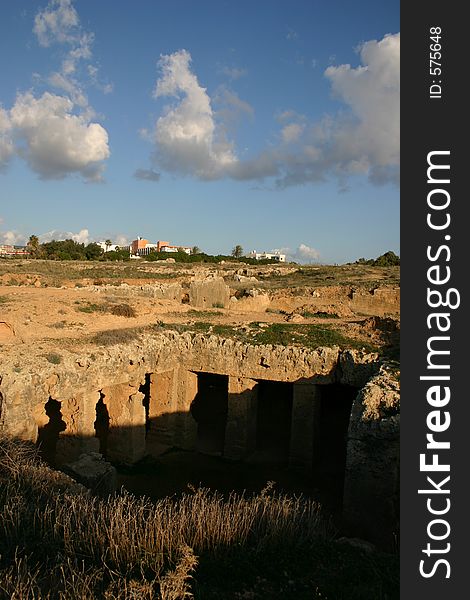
(111,337)
(123,310)
(65,544)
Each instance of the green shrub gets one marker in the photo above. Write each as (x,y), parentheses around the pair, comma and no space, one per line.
(53,358)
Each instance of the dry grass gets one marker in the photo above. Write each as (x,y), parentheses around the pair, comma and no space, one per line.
(122,310)
(110,337)
(58,542)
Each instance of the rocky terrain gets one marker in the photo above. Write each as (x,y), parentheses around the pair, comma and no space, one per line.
(133,359)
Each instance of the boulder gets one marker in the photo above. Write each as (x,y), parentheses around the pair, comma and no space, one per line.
(94,472)
(210,293)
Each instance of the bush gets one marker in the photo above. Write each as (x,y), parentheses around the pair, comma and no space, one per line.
(123,310)
(55,359)
(389,259)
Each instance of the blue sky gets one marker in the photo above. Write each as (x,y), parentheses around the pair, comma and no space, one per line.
(269,124)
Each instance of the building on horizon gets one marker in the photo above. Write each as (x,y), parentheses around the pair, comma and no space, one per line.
(267,256)
(142,247)
(10,250)
(110,247)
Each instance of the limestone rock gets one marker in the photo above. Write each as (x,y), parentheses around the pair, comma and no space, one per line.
(244,279)
(371,487)
(209,293)
(295,318)
(7,333)
(94,472)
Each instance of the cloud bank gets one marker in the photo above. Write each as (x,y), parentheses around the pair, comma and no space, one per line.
(362,139)
(82,237)
(55,133)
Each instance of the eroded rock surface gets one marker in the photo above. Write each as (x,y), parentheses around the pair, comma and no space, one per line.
(210,293)
(372,463)
(95,473)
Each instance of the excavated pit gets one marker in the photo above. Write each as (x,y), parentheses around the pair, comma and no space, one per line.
(173,410)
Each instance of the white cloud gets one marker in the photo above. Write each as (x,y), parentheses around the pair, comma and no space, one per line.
(230,109)
(55,134)
(56,23)
(372,137)
(59,23)
(121,239)
(361,139)
(82,237)
(6,143)
(147,175)
(303,253)
(233,72)
(306,253)
(12,238)
(291,133)
(54,141)
(289,115)
(186,136)
(231,101)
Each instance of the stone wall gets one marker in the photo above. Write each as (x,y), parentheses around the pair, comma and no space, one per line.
(147,387)
(372,464)
(210,293)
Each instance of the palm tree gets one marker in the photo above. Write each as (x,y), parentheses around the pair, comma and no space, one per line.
(33,245)
(195,250)
(108,244)
(237,252)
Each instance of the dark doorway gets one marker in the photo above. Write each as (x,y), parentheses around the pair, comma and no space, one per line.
(49,434)
(209,408)
(331,437)
(102,424)
(274,417)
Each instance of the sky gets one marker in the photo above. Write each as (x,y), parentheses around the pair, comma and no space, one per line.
(273,124)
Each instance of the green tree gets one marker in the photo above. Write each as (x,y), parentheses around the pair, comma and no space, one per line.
(237,252)
(93,251)
(33,246)
(108,244)
(195,250)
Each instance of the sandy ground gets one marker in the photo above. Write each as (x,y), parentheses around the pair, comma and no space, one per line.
(33,311)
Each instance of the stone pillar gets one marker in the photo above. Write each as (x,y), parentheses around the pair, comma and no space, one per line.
(185,424)
(304,425)
(171,422)
(70,442)
(126,438)
(240,432)
(79,416)
(162,407)
(87,422)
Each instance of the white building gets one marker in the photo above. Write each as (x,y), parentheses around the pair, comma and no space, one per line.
(175,249)
(267,256)
(108,248)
